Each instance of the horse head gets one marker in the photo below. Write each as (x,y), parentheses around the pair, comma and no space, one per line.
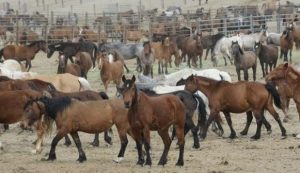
(129,91)
(278,73)
(43,46)
(62,60)
(166,41)
(147,48)
(257,47)
(51,49)
(191,84)
(236,49)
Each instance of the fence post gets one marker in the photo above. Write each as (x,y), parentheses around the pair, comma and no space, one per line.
(278,19)
(174,25)
(62,3)
(17,27)
(44,7)
(125,34)
(86,19)
(80,1)
(46,33)
(52,18)
(163,4)
(225,26)
(99,30)
(37,2)
(150,31)
(19,4)
(251,23)
(94,7)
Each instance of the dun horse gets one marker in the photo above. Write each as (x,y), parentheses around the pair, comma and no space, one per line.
(244,96)
(268,55)
(147,59)
(71,116)
(153,113)
(23,53)
(243,60)
(286,44)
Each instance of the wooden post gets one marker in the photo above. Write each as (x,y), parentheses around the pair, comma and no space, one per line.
(37,2)
(99,30)
(46,33)
(125,34)
(44,7)
(225,26)
(19,4)
(163,4)
(150,31)
(62,3)
(94,7)
(251,23)
(174,25)
(17,28)
(52,18)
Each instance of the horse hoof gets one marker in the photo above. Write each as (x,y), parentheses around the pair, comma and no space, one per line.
(95,144)
(255,137)
(162,162)
(243,133)
(140,162)
(269,132)
(118,159)
(283,137)
(196,146)
(232,136)
(179,163)
(67,143)
(81,159)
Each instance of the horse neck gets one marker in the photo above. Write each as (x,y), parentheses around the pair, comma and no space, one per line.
(136,101)
(205,88)
(292,79)
(35,48)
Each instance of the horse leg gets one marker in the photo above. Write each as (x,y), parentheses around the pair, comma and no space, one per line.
(71,59)
(290,55)
(249,120)
(127,69)
(181,142)
(107,136)
(284,105)
(225,60)
(95,142)
(166,67)
(229,122)
(238,74)
(281,54)
(262,68)
(28,62)
(246,78)
(56,139)
(200,58)
(67,141)
(254,72)
(258,117)
(206,53)
(76,139)
(159,70)
(124,141)
(266,123)
(40,135)
(167,143)
(189,125)
(208,122)
(146,136)
(272,111)
(139,143)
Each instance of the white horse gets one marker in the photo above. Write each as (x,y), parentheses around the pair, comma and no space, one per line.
(274,38)
(249,40)
(12,65)
(216,74)
(223,48)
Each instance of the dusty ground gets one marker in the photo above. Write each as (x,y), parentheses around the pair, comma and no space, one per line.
(269,154)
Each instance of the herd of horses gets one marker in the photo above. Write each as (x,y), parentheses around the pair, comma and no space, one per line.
(67,100)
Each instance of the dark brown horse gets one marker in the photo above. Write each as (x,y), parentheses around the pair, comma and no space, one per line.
(153,113)
(23,53)
(286,44)
(244,97)
(193,48)
(71,116)
(286,78)
(268,55)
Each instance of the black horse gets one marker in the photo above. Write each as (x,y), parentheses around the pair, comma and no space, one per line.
(70,49)
(209,42)
(191,102)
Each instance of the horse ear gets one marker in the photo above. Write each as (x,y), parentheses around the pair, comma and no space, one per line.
(286,65)
(123,78)
(133,78)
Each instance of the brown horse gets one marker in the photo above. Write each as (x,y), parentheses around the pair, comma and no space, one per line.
(71,116)
(84,60)
(286,44)
(162,54)
(109,71)
(286,78)
(63,67)
(153,113)
(244,97)
(193,48)
(23,53)
(243,60)
(296,34)
(12,104)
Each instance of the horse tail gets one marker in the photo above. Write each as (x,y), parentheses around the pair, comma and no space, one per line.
(1,53)
(95,55)
(47,123)
(201,110)
(84,84)
(273,91)
(103,95)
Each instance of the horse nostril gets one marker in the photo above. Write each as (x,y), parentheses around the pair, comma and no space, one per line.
(126,104)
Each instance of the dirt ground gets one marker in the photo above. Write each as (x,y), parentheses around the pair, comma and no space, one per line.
(216,154)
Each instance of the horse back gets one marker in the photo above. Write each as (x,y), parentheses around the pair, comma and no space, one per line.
(9,52)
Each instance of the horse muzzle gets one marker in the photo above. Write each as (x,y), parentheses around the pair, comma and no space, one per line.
(127,104)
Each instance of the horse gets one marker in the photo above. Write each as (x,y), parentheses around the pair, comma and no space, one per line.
(109,71)
(12,104)
(117,55)
(193,48)
(243,60)
(191,102)
(162,54)
(274,38)
(153,113)
(13,65)
(286,44)
(209,42)
(63,67)
(64,82)
(84,60)
(223,47)
(23,53)
(286,77)
(244,97)
(175,52)
(249,40)
(147,59)
(70,49)
(71,116)
(268,55)
(296,34)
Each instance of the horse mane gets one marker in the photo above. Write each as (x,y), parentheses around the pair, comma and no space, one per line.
(36,84)
(145,43)
(55,105)
(4,78)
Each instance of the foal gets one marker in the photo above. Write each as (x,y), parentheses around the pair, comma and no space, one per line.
(244,96)
(153,113)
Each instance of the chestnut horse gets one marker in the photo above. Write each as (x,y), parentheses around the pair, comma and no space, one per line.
(109,71)
(244,97)
(63,67)
(12,104)
(84,60)
(23,53)
(286,78)
(71,116)
(153,113)
(162,54)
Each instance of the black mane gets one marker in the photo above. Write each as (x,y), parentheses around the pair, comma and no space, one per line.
(55,105)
